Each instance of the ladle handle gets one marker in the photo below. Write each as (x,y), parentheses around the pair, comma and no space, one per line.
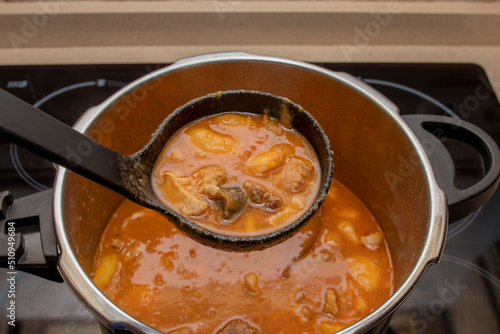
(52,139)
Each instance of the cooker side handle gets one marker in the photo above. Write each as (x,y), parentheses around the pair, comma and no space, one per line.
(28,239)
(432,130)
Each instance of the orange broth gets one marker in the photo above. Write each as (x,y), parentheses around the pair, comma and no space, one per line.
(332,273)
(238,174)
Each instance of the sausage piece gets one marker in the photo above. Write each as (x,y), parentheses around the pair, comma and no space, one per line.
(262,196)
(331,306)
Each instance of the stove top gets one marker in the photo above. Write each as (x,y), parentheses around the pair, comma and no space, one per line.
(460,295)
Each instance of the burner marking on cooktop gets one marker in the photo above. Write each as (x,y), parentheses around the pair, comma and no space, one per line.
(474,267)
(114,83)
(14,156)
(22,172)
(63,90)
(413,91)
(17,84)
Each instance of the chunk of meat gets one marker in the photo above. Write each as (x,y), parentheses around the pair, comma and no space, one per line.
(262,196)
(372,241)
(349,230)
(117,243)
(333,238)
(238,326)
(297,174)
(210,180)
(326,255)
(233,200)
(304,313)
(331,306)
(184,200)
(271,160)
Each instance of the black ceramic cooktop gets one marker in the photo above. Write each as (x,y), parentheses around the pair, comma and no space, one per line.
(460,295)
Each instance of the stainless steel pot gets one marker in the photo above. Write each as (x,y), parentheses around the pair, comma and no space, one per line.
(377,156)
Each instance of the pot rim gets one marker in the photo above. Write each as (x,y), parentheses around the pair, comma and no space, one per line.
(116,319)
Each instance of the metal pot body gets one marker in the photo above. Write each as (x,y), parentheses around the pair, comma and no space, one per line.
(376,156)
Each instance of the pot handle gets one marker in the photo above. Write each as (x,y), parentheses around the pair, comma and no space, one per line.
(28,239)
(430,131)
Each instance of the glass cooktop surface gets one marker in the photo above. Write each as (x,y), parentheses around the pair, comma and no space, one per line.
(460,295)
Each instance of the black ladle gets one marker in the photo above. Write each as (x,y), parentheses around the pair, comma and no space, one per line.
(130,175)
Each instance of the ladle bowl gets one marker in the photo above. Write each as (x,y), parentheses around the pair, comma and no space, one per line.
(130,175)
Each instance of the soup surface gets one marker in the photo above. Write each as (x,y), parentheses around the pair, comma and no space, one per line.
(238,174)
(330,274)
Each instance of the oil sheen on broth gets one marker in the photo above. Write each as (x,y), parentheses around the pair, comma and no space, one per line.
(238,174)
(333,272)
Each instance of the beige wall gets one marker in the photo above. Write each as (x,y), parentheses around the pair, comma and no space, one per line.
(163,31)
